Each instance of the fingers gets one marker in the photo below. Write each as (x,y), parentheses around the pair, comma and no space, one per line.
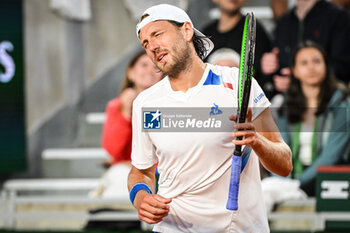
(247,141)
(156,201)
(153,208)
(244,126)
(281,82)
(246,137)
(246,131)
(162,199)
(233,118)
(249,115)
(275,51)
(269,62)
(151,214)
(285,71)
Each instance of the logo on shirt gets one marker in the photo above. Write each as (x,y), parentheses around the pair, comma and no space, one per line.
(215,110)
(259,97)
(152,119)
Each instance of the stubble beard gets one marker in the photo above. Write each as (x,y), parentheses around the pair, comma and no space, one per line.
(181,62)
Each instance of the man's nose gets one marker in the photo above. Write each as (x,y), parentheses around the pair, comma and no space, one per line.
(153,46)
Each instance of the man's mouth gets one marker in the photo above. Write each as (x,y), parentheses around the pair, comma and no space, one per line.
(161,56)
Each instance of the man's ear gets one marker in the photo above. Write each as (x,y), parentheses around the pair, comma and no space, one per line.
(188,30)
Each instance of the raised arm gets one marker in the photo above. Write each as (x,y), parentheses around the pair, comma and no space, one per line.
(265,139)
(151,207)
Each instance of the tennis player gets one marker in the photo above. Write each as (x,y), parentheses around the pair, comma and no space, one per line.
(195,167)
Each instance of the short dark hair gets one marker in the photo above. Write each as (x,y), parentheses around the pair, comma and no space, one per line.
(197,41)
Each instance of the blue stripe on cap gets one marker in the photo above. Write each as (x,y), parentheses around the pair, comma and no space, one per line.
(212,79)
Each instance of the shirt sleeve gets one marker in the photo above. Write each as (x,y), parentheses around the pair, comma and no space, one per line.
(143,152)
(257,100)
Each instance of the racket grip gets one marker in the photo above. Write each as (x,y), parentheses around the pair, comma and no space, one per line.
(232,202)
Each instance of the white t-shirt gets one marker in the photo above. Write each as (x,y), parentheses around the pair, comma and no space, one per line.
(305,144)
(195,167)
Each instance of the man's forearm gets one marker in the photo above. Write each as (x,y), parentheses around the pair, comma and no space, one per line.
(146,176)
(274,155)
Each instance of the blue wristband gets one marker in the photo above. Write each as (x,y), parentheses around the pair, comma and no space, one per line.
(137,187)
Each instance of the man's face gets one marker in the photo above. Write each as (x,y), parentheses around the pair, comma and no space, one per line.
(230,6)
(167,45)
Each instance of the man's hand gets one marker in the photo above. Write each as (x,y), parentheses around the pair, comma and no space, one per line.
(246,130)
(152,208)
(263,136)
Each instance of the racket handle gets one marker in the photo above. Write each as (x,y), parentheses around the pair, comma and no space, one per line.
(232,202)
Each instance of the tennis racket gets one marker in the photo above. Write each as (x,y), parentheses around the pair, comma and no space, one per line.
(244,84)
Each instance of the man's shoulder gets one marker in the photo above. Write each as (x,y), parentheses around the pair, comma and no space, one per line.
(151,93)
(219,68)
(225,72)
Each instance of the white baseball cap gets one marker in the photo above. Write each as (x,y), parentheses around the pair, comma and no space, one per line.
(173,13)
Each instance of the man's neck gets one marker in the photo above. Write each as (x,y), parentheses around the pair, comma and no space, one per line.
(190,77)
(303,8)
(228,21)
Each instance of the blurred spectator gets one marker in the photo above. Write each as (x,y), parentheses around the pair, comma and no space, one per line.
(315,20)
(224,57)
(343,3)
(279,8)
(314,119)
(141,73)
(116,137)
(227,31)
